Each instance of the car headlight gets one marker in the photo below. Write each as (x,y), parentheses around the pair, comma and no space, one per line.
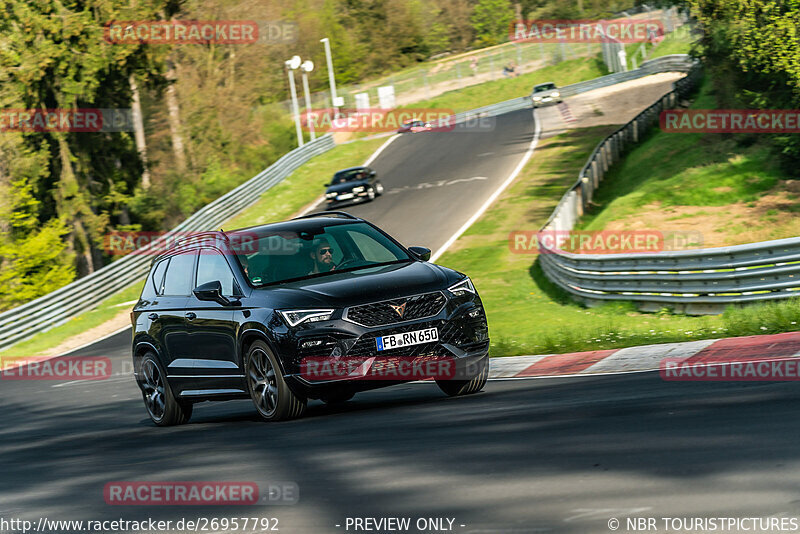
(296,317)
(462,287)
(537,97)
(555,94)
(358,189)
(330,195)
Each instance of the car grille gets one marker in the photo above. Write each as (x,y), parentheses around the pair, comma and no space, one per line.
(382,313)
(449,332)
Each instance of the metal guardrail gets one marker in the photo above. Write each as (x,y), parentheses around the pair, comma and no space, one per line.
(60,305)
(701,281)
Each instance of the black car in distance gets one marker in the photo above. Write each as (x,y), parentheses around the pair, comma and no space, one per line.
(352,185)
(227,315)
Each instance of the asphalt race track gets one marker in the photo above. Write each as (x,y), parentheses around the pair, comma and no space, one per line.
(435,181)
(543,455)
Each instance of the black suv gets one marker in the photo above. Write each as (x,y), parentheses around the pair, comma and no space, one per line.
(352,185)
(226,315)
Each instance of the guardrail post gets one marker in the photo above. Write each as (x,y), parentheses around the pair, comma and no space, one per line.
(595,174)
(635,125)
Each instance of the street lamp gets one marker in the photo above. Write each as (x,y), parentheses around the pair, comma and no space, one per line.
(307,67)
(331,81)
(291,65)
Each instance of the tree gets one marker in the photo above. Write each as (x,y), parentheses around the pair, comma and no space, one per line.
(491,20)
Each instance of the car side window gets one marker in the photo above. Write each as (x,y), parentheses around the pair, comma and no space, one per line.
(158,276)
(178,280)
(212,266)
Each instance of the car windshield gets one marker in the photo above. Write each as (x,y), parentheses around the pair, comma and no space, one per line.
(347,176)
(289,256)
(544,87)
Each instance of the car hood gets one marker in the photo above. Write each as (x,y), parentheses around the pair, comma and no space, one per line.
(347,186)
(358,287)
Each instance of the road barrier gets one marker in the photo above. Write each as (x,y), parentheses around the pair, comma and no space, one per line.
(85,293)
(702,281)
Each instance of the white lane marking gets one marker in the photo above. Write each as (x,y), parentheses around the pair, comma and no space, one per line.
(647,356)
(484,154)
(134,301)
(380,149)
(491,199)
(438,183)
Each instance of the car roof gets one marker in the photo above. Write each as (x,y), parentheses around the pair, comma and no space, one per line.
(544,83)
(295,225)
(357,168)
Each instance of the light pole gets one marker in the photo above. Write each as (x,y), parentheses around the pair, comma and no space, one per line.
(291,65)
(307,67)
(331,80)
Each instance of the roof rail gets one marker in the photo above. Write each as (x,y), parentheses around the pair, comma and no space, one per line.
(199,235)
(342,214)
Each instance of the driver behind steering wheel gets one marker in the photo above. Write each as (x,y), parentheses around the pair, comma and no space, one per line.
(322,257)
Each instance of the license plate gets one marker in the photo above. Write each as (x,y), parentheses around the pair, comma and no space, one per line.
(417,337)
(345,196)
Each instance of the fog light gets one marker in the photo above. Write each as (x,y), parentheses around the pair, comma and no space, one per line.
(474,313)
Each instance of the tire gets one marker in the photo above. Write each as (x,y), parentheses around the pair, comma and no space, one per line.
(371,193)
(379,189)
(162,406)
(273,399)
(457,388)
(338,397)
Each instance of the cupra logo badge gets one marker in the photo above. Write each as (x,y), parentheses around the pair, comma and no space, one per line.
(399,309)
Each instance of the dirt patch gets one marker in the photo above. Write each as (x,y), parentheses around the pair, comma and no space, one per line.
(770,217)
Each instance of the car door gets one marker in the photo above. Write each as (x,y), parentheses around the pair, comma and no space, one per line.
(170,307)
(211,325)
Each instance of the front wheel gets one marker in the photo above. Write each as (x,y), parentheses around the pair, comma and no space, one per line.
(456,388)
(162,406)
(272,397)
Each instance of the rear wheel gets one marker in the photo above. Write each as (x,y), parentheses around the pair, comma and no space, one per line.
(162,406)
(272,397)
(455,388)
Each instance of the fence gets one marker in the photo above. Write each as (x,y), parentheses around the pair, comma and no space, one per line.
(58,306)
(700,281)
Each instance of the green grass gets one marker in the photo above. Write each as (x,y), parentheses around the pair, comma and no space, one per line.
(106,310)
(564,73)
(526,313)
(677,42)
(304,185)
(685,169)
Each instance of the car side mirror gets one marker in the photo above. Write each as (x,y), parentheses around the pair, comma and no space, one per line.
(421,252)
(211,291)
